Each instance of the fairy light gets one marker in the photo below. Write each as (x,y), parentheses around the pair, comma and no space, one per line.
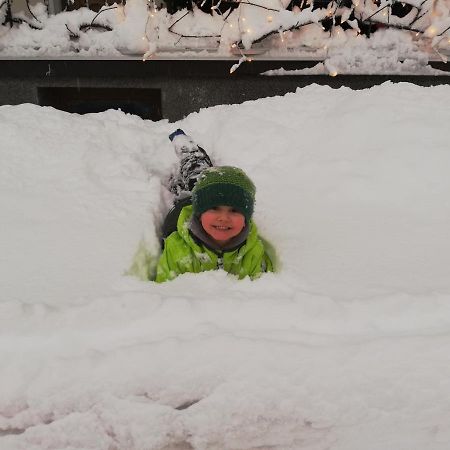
(242,59)
(431,31)
(269,19)
(216,6)
(332,71)
(147,55)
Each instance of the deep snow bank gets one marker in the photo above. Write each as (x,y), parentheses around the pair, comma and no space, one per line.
(345,348)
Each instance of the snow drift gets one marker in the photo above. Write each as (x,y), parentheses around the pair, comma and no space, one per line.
(346,347)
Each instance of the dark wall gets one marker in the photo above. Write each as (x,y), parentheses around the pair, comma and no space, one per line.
(169,89)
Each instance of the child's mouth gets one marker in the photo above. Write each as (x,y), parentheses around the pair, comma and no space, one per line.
(221,227)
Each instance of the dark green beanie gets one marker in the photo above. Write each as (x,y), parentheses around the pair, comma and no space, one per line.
(228,186)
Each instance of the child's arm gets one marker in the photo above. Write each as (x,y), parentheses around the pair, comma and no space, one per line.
(165,270)
(269,262)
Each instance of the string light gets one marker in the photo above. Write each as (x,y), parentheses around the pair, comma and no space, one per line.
(431,31)
(242,59)
(147,55)
(269,19)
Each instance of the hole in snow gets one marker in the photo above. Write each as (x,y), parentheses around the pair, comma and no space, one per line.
(11,431)
(187,404)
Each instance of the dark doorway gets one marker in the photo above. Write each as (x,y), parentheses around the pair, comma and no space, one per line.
(145,103)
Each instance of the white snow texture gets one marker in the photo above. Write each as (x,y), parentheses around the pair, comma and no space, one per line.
(346,347)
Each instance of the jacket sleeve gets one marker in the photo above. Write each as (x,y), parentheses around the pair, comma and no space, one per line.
(260,261)
(269,260)
(167,268)
(267,265)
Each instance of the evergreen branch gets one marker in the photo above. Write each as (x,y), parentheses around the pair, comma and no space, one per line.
(376,12)
(294,27)
(390,25)
(104,26)
(187,35)
(72,34)
(87,27)
(176,21)
(440,34)
(195,36)
(259,6)
(31,12)
(418,15)
(12,20)
(8,16)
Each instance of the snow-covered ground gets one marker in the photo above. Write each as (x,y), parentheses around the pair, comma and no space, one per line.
(345,348)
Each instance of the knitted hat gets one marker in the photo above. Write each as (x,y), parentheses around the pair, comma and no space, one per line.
(224,185)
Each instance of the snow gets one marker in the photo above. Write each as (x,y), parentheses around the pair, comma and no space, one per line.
(345,347)
(259,29)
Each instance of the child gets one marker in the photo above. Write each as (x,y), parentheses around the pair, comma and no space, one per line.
(216,230)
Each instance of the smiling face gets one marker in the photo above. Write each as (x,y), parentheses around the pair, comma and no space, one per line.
(222,223)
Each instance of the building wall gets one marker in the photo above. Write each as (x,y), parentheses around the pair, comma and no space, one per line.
(168,89)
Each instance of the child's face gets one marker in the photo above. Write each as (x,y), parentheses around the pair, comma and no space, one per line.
(222,223)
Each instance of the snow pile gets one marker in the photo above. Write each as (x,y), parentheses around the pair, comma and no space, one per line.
(338,34)
(386,52)
(345,348)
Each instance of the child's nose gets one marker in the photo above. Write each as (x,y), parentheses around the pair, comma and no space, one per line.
(224,215)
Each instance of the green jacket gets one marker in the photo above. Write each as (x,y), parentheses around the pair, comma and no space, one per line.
(183,254)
